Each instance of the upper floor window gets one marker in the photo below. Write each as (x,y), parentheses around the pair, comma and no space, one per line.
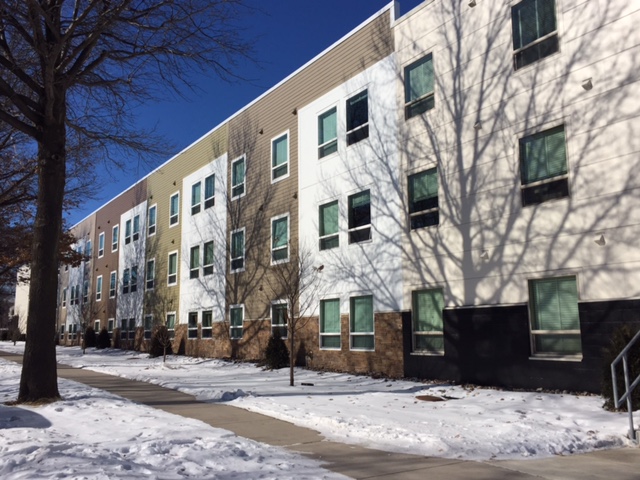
(194,262)
(418,87)
(151,220)
(209,191)
(87,249)
(136,227)
(172,270)
(174,208)
(328,223)
(207,258)
(280,239)
(237,250)
(85,291)
(280,157)
(196,194)
(238,178)
(328,133)
(423,199)
(134,279)
(99,288)
(360,217)
(115,236)
(112,285)
(543,166)
(127,232)
(150,275)
(101,245)
(64,297)
(236,317)
(126,278)
(535,32)
(358,117)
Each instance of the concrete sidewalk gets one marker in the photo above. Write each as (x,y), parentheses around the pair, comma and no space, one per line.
(354,461)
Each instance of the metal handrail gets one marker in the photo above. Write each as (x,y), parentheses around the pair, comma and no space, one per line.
(628,388)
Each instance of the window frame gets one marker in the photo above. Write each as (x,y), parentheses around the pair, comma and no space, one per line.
(192,329)
(434,333)
(115,238)
(429,216)
(174,218)
(426,101)
(232,326)
(277,305)
(209,201)
(207,329)
(353,333)
(324,149)
(321,327)
(172,282)
(354,231)
(360,132)
(538,42)
(127,232)
(85,292)
(99,288)
(324,240)
(148,322)
(243,184)
(275,249)
(196,203)
(231,248)
(113,284)
(136,227)
(64,297)
(194,266)
(151,225)
(207,268)
(172,330)
(150,284)
(286,164)
(126,279)
(101,245)
(134,279)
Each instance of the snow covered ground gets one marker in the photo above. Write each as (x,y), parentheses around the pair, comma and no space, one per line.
(477,423)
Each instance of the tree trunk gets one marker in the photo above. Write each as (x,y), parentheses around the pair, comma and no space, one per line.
(291,357)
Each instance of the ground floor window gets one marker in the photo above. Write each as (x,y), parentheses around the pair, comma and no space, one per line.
(193,325)
(132,329)
(207,320)
(330,323)
(236,317)
(171,324)
(361,323)
(279,320)
(148,326)
(427,321)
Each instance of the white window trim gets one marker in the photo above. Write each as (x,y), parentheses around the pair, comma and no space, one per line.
(244,183)
(339,334)
(177,215)
(101,251)
(172,331)
(172,284)
(425,353)
(288,163)
(337,138)
(197,269)
(286,325)
(202,264)
(231,307)
(127,238)
(373,332)
(244,250)
(149,224)
(288,247)
(154,274)
(346,115)
(115,290)
(199,203)
(111,325)
(338,233)
(202,327)
(204,191)
(369,226)
(99,286)
(135,235)
(189,328)
(117,244)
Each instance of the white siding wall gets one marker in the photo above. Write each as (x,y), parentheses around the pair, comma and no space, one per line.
(131,305)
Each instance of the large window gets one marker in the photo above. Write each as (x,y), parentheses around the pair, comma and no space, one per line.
(171,324)
(423,199)
(150,275)
(543,166)
(328,133)
(280,239)
(174,209)
(172,270)
(209,191)
(360,217)
(99,288)
(194,262)
(136,227)
(196,197)
(115,234)
(207,258)
(330,323)
(418,87)
(127,232)
(555,323)
(151,220)
(358,117)
(280,157)
(236,317)
(192,327)
(427,321)
(238,178)
(279,318)
(101,245)
(328,225)
(112,284)
(361,323)
(237,250)
(535,34)
(207,320)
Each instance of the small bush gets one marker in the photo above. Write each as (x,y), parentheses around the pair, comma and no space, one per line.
(4,335)
(90,338)
(160,343)
(103,340)
(620,338)
(277,354)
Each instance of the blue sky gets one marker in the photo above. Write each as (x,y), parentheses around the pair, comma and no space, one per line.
(288,34)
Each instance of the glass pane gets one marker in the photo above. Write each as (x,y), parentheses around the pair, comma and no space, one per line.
(208,253)
(235,315)
(280,235)
(543,155)
(151,269)
(171,321)
(532,19)
(152,216)
(359,209)
(238,173)
(209,186)
(194,260)
(195,193)
(173,260)
(429,343)
(329,218)
(331,341)
(101,242)
(237,244)
(330,316)
(423,190)
(174,205)
(427,311)
(193,319)
(362,341)
(357,111)
(327,127)
(278,314)
(362,314)
(555,304)
(279,154)
(563,344)
(127,228)
(207,317)
(419,79)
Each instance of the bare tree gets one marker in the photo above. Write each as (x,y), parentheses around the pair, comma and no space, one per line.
(70,72)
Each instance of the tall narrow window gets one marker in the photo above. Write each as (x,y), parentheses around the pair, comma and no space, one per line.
(194,262)
(279,317)
(555,322)
(150,275)
(132,328)
(96,326)
(171,324)
(99,288)
(418,87)
(85,292)
(64,298)
(543,166)
(126,278)
(101,245)
(112,284)
(196,196)
(360,217)
(115,234)
(174,209)
(328,133)
(207,320)
(73,295)
(238,178)
(87,249)
(328,223)
(192,327)
(209,191)
(423,199)
(362,335)
(134,279)
(148,326)
(127,232)
(280,239)
(172,271)
(330,323)
(236,317)
(136,227)
(280,157)
(207,258)
(427,321)
(358,117)
(151,220)
(237,250)
(535,34)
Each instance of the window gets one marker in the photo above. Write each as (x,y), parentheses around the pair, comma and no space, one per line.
(99,288)
(209,191)
(126,276)
(328,224)
(328,133)
(85,291)
(330,323)
(87,249)
(96,326)
(150,275)
(174,207)
(238,178)
(136,227)
(172,275)
(427,321)
(148,326)
(207,261)
(194,262)
(192,331)
(123,329)
(279,319)
(535,34)
(196,196)
(543,166)
(101,245)
(280,239)
(358,117)
(115,233)
(207,318)
(74,329)
(132,329)
(110,325)
(134,279)
(62,332)
(555,323)
(361,323)
(360,217)
(64,297)
(171,324)
(127,232)
(236,316)
(112,285)
(280,157)
(418,87)
(423,199)
(237,250)
(151,220)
